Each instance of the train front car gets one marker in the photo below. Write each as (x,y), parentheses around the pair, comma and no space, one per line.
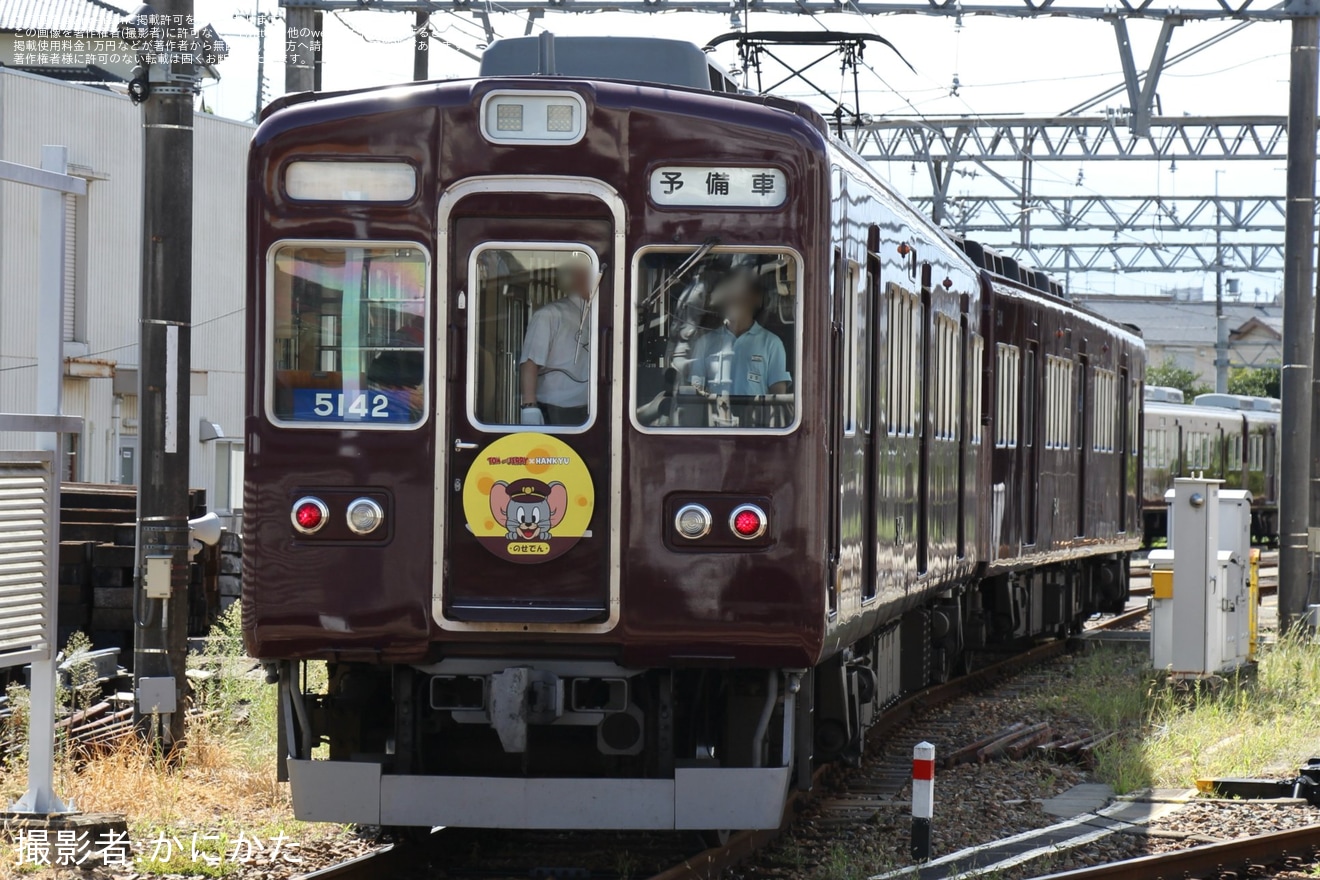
(531,358)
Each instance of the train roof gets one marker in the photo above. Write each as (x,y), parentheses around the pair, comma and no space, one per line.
(1240,401)
(1164,394)
(1210,412)
(651,60)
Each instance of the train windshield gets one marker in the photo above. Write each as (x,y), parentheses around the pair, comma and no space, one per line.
(716,339)
(348,329)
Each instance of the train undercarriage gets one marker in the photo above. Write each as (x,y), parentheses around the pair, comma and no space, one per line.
(577,743)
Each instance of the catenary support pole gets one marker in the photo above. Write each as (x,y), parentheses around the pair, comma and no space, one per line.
(1221,322)
(421,46)
(300,36)
(160,636)
(1298,286)
(923,799)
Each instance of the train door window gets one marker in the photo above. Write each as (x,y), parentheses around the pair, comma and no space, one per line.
(531,334)
(977,389)
(348,335)
(716,339)
(1007,387)
(1134,414)
(1254,445)
(1079,386)
(1029,395)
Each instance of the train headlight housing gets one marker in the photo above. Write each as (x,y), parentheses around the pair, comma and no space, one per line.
(309,515)
(541,117)
(748,522)
(692,521)
(364,516)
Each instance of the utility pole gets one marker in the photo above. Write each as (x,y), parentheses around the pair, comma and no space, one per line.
(259,19)
(1221,323)
(164,84)
(302,33)
(421,46)
(1298,287)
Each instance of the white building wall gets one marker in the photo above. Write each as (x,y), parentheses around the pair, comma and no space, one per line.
(103,133)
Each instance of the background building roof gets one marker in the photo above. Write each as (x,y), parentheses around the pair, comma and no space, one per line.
(80,16)
(1167,322)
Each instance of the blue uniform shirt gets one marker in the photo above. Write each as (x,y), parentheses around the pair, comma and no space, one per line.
(741,365)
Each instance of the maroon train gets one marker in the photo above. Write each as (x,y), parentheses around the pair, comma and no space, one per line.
(811,454)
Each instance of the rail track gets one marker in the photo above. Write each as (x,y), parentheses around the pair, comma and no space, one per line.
(410,857)
(1244,857)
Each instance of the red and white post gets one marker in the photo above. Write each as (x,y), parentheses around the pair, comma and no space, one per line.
(923,799)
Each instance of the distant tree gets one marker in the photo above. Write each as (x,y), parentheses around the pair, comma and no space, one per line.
(1254,381)
(1170,375)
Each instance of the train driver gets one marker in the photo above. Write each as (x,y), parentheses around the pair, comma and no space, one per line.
(739,357)
(555,370)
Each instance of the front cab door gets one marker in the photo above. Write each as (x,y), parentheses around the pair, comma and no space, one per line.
(527,446)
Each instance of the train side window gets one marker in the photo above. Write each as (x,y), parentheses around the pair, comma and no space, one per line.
(947,379)
(716,344)
(1104,429)
(1058,402)
(531,334)
(854,335)
(348,334)
(974,389)
(903,405)
(1008,379)
(952,384)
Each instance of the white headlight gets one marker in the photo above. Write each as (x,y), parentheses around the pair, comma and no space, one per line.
(692,521)
(364,516)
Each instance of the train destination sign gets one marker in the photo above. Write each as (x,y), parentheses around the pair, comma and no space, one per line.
(718,187)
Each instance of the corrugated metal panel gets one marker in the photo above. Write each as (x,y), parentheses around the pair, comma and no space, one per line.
(26,486)
(88,16)
(69,317)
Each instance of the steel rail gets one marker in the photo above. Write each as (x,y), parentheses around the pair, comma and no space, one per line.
(401,859)
(1243,857)
(714,861)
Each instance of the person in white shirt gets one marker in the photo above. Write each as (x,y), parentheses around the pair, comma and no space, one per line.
(555,370)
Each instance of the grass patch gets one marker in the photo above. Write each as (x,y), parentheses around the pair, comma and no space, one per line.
(204,809)
(1172,733)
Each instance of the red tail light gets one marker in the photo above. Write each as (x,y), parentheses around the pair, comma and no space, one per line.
(309,515)
(748,521)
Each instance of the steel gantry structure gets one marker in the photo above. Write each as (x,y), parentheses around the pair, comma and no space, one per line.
(1079,230)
